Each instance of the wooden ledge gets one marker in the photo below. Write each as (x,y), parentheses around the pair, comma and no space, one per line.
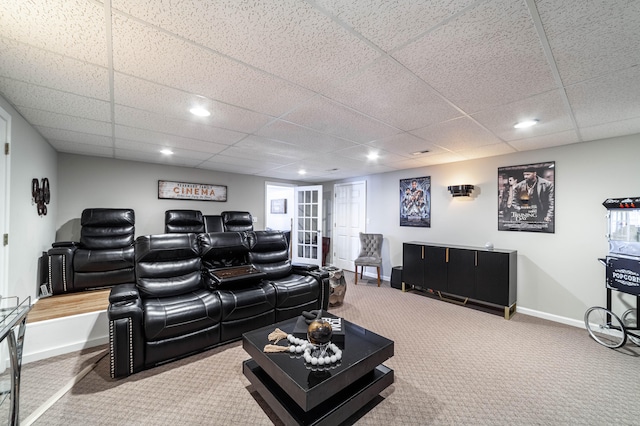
(70,304)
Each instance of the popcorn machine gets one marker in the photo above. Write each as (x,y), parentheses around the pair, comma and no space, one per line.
(622,274)
(623,261)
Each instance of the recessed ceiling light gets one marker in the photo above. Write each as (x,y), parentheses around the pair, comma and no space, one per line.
(302,172)
(166,151)
(372,155)
(200,112)
(526,123)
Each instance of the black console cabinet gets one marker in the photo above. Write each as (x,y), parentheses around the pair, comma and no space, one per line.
(462,274)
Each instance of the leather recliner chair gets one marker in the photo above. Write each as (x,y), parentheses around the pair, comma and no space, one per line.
(103,257)
(234,221)
(183,221)
(296,286)
(167,313)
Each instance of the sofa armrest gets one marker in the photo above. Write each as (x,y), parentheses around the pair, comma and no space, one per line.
(322,276)
(300,268)
(61,276)
(126,335)
(65,244)
(123,293)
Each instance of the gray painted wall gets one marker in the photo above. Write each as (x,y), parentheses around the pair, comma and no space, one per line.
(90,182)
(558,274)
(29,234)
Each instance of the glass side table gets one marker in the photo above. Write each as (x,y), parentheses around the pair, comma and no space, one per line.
(13,318)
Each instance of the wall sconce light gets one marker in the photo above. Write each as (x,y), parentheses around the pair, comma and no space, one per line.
(40,195)
(460,190)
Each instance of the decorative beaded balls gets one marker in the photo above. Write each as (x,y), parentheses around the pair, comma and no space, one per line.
(328,354)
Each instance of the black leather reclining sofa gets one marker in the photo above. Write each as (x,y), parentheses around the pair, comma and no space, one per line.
(196,291)
(104,256)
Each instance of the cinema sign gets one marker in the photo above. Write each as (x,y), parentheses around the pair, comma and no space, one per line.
(191,191)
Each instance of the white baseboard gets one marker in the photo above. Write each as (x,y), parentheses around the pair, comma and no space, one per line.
(44,339)
(551,317)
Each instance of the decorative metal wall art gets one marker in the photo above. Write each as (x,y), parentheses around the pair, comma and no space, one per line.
(40,195)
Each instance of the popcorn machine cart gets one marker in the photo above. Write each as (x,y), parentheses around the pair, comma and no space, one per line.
(622,274)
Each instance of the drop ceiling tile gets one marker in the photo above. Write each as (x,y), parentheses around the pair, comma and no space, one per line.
(42,98)
(393,95)
(248,165)
(77,137)
(261,33)
(490,55)
(285,173)
(145,95)
(591,38)
(486,151)
(65,122)
(131,134)
(328,162)
(545,141)
(610,130)
(447,157)
(157,56)
(611,98)
(154,150)
(303,137)
(391,24)
(454,135)
(406,144)
(271,150)
(406,163)
(145,120)
(547,107)
(146,157)
(31,65)
(362,152)
(329,117)
(74,28)
(81,148)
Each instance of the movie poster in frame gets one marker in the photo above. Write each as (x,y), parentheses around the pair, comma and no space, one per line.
(415,202)
(526,197)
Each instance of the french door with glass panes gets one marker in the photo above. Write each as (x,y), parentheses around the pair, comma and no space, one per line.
(307,225)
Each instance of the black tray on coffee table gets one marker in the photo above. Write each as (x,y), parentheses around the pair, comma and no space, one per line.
(301,394)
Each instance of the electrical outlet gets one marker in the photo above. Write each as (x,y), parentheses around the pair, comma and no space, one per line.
(255,219)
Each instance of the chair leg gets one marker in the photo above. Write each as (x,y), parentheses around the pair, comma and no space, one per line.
(378,268)
(357,274)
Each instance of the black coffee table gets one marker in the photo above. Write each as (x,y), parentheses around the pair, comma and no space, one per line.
(299,394)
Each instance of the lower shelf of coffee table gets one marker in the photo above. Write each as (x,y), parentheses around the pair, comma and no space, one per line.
(336,409)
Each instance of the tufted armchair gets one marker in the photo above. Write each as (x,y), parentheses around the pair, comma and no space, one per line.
(370,253)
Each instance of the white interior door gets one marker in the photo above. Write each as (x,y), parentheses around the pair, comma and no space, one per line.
(307,225)
(350,212)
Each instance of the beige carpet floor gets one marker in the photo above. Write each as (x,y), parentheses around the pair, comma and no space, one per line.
(453,366)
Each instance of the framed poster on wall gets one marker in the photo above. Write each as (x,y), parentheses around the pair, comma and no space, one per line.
(526,197)
(415,202)
(279,206)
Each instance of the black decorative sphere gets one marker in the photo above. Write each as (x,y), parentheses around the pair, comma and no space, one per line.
(319,332)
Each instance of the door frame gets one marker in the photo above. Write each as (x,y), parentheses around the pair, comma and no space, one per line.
(319,230)
(5,184)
